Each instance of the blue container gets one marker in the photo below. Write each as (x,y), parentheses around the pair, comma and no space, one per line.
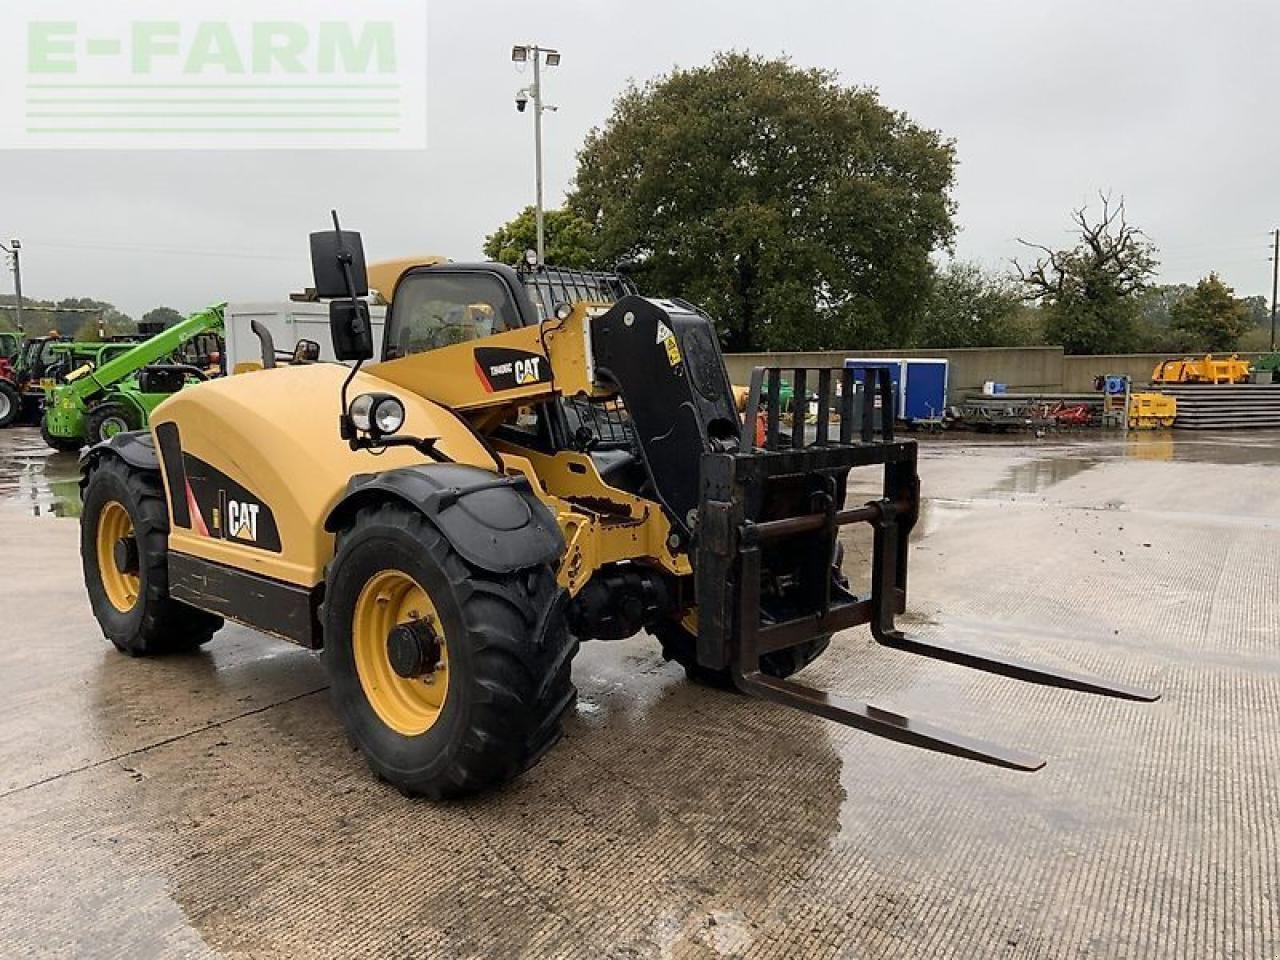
(924,388)
(919,383)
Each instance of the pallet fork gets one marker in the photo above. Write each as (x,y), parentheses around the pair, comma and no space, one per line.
(739,528)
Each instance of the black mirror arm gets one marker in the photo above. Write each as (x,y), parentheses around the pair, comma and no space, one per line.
(346,429)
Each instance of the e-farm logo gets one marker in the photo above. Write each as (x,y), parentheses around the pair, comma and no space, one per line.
(226,75)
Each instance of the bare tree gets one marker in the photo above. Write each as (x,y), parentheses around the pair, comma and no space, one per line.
(1090,290)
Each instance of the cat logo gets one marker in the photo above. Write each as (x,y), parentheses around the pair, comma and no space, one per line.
(242,520)
(527,370)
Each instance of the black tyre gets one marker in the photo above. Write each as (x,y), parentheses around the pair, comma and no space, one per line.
(10,404)
(680,645)
(123,531)
(450,679)
(61,444)
(108,419)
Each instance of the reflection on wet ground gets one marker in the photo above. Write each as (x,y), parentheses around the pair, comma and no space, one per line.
(208,805)
(34,478)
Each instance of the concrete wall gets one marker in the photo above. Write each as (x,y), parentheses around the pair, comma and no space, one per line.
(1028,369)
(1024,369)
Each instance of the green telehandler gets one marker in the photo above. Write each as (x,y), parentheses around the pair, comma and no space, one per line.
(98,402)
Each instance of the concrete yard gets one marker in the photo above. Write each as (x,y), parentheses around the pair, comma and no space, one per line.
(209,805)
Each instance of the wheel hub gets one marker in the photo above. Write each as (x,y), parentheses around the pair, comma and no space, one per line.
(125,554)
(413,649)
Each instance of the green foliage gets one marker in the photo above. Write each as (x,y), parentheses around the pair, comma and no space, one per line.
(569,239)
(799,212)
(1258,310)
(76,317)
(1091,293)
(1176,318)
(968,307)
(166,315)
(1209,318)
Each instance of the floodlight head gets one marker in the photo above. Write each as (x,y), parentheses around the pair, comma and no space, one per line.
(519,53)
(553,58)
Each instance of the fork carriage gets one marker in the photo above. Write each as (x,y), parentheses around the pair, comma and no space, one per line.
(762,502)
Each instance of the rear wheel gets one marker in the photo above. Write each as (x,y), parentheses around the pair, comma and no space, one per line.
(449,678)
(123,530)
(10,403)
(106,420)
(61,444)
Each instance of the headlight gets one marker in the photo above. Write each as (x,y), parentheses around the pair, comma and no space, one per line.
(378,414)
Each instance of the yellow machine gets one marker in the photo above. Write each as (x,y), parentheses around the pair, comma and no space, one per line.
(1205,370)
(541,457)
(1147,411)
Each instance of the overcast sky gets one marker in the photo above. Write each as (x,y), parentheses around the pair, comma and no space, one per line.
(1169,104)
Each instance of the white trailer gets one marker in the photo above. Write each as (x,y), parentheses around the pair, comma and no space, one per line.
(289,322)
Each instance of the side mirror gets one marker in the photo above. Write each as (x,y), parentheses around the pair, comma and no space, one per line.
(331,251)
(351,329)
(306,351)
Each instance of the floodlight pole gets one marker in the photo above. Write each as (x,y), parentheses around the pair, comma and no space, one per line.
(537,152)
(520,54)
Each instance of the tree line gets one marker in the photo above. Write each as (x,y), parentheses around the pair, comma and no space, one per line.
(804,214)
(80,318)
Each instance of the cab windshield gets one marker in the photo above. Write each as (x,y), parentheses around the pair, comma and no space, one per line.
(434,310)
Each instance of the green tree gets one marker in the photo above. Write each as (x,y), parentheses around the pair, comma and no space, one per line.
(79,317)
(798,211)
(1210,317)
(1091,293)
(165,315)
(1258,309)
(569,239)
(968,307)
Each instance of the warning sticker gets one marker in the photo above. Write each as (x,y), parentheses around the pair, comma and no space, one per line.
(668,339)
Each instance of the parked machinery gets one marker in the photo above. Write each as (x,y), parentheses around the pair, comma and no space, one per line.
(98,401)
(1207,369)
(481,503)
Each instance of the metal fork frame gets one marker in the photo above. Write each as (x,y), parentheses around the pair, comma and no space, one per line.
(728,567)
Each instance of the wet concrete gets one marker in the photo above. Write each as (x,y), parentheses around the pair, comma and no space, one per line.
(208,806)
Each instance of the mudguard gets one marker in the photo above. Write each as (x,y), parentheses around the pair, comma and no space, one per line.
(494,522)
(137,448)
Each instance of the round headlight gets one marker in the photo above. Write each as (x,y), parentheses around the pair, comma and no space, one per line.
(379,414)
(359,410)
(388,415)
(564,311)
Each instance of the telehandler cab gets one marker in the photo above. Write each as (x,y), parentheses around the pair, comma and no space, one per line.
(541,457)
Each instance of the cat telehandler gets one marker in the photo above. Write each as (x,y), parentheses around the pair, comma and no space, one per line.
(541,457)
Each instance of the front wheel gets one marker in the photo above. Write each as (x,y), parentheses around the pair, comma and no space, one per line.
(681,645)
(449,678)
(106,420)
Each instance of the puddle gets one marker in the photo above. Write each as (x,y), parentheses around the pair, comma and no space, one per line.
(1035,476)
(35,479)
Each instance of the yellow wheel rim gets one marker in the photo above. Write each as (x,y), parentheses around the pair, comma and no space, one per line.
(408,705)
(114,524)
